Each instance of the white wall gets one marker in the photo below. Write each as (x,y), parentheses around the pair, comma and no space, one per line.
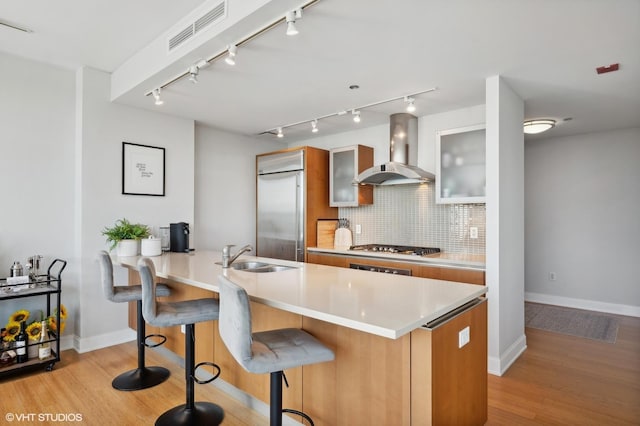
(225,174)
(583,221)
(36,173)
(505,224)
(102,127)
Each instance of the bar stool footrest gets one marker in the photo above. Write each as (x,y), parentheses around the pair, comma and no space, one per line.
(154,345)
(298,413)
(210,364)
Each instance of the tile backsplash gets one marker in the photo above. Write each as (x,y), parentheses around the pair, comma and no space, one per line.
(409,215)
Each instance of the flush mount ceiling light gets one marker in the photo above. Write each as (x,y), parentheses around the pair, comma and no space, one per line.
(290,19)
(410,104)
(533,127)
(356,116)
(156,95)
(232,51)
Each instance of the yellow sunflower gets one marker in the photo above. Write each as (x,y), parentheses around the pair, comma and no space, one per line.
(53,325)
(34,330)
(13,328)
(63,312)
(17,316)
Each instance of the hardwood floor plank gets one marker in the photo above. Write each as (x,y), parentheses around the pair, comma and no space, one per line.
(559,380)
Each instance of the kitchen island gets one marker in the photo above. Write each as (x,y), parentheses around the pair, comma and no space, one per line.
(396,339)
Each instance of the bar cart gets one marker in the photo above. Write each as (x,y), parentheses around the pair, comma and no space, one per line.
(46,286)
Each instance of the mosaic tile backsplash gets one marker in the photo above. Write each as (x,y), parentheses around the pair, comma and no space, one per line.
(409,215)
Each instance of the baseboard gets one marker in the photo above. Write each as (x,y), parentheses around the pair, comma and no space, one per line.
(498,366)
(82,345)
(590,305)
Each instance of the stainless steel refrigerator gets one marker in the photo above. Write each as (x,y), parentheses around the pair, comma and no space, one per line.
(280,205)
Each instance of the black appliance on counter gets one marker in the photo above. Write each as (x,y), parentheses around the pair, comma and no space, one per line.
(388,248)
(179,237)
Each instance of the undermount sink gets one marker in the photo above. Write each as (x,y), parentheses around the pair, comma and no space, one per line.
(253,266)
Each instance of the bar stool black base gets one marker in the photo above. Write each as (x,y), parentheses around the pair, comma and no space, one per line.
(204,413)
(140,378)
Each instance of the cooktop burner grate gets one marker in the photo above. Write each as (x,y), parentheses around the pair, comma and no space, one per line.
(388,248)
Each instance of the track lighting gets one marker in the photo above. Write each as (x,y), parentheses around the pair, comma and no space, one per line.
(193,74)
(290,18)
(231,55)
(156,95)
(280,134)
(356,116)
(314,126)
(410,104)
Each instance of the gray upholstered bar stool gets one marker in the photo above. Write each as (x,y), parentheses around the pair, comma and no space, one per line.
(142,377)
(267,351)
(187,312)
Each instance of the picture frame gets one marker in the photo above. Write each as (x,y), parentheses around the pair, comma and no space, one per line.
(143,169)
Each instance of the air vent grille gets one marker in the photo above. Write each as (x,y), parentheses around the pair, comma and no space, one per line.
(216,14)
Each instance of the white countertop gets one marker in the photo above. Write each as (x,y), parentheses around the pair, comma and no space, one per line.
(447,260)
(381,304)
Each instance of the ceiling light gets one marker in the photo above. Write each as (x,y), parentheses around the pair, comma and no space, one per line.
(356,116)
(280,134)
(156,95)
(290,18)
(193,74)
(533,127)
(314,126)
(231,56)
(410,101)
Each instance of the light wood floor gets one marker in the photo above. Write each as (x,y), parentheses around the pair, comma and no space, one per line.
(559,380)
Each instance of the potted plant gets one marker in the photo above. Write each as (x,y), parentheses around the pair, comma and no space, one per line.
(125,236)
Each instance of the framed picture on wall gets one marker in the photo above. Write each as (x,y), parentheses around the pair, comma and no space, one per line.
(142,169)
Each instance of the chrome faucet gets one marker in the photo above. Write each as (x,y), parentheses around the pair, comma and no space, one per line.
(227,259)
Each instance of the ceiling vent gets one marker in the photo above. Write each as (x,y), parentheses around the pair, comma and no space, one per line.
(215,15)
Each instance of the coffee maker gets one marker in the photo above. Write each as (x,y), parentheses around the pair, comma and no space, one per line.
(179,237)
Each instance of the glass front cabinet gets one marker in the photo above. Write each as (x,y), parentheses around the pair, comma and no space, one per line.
(345,164)
(461,165)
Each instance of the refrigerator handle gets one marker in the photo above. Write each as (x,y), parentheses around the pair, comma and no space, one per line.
(299,247)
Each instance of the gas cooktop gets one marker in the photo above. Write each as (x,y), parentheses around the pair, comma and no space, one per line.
(388,248)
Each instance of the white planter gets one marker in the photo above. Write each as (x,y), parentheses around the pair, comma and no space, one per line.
(127,248)
(151,246)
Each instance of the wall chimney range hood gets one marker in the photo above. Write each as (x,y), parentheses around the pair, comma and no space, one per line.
(401,169)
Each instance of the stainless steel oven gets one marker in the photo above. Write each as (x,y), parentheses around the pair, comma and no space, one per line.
(383,269)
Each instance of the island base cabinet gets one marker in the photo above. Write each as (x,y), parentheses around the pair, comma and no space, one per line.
(368,383)
(457,394)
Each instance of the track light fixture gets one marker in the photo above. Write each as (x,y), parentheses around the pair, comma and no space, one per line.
(193,74)
(156,95)
(410,104)
(291,18)
(355,112)
(232,51)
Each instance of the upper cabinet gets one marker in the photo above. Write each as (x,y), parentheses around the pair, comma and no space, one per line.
(345,164)
(461,165)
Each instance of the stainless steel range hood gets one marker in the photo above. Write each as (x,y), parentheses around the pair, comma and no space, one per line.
(400,170)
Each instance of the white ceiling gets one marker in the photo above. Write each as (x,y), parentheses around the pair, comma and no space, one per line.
(547,51)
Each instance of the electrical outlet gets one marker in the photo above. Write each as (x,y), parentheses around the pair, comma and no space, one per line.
(183,328)
(552,276)
(473,232)
(464,336)
(358,229)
